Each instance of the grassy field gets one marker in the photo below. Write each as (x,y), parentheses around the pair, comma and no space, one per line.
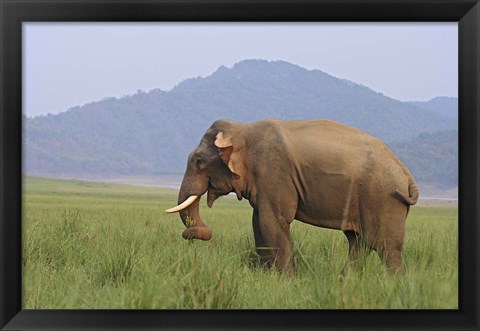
(90,245)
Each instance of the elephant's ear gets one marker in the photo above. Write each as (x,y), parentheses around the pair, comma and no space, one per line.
(228,154)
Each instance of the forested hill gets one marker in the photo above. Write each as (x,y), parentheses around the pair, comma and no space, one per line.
(432,157)
(153,132)
(443,106)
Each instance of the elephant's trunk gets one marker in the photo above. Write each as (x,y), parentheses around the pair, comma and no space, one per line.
(190,216)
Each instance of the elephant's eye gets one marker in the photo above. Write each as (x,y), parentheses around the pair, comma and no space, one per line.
(199,163)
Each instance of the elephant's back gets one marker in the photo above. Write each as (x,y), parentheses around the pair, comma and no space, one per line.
(322,129)
(325,145)
(330,145)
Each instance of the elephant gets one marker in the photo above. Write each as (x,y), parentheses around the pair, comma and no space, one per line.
(319,172)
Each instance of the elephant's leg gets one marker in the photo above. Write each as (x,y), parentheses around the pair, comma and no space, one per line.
(355,249)
(390,242)
(354,245)
(275,231)
(383,229)
(260,244)
(392,258)
(389,248)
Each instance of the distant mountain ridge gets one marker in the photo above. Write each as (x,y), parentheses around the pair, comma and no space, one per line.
(443,106)
(153,132)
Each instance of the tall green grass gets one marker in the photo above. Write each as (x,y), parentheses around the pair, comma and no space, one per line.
(90,245)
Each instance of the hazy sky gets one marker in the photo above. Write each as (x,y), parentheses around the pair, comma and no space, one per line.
(70,64)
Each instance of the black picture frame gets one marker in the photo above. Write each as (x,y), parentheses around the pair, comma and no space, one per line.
(14,12)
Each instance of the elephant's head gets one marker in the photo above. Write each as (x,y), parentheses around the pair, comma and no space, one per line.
(215,167)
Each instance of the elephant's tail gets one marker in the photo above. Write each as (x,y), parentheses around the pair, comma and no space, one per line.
(413,194)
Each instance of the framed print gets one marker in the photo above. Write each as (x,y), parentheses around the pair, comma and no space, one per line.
(348,131)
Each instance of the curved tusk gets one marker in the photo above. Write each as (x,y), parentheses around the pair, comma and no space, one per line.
(183,205)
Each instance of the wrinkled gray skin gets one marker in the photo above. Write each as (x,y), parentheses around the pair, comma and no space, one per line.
(318,172)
